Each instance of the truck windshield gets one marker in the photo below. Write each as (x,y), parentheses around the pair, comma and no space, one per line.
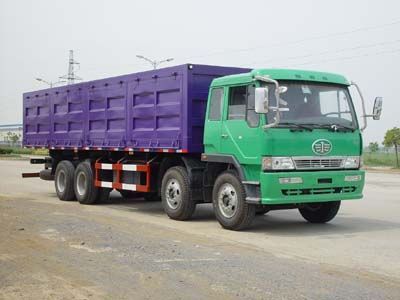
(314,104)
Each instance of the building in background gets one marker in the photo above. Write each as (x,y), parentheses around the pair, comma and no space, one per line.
(11,135)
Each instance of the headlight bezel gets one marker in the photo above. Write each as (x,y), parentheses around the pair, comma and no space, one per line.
(352,162)
(277,163)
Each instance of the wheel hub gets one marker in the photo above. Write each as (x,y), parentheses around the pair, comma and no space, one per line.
(81,183)
(61,181)
(227,200)
(173,194)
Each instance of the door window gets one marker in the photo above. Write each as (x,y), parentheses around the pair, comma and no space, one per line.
(241,105)
(216,101)
(237,103)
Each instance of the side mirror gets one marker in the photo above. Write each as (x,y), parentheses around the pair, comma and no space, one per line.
(261,100)
(376,114)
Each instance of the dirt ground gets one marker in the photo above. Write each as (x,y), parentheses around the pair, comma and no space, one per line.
(129,249)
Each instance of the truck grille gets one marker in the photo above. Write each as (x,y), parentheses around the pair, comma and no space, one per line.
(313,163)
(319,191)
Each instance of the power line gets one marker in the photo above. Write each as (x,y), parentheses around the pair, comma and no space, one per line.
(330,51)
(320,37)
(348,57)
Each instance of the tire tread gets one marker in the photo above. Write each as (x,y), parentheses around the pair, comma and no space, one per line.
(93,192)
(325,214)
(188,205)
(69,170)
(247,214)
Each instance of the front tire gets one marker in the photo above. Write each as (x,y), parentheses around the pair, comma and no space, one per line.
(85,190)
(175,194)
(320,212)
(229,202)
(64,180)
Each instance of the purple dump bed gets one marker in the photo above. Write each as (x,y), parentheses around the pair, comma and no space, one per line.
(159,110)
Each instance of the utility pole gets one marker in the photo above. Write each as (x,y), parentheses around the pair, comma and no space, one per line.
(71,77)
(154,63)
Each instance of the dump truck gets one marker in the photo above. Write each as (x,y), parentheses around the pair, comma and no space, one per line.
(246,140)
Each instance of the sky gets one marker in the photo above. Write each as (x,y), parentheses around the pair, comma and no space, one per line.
(358,39)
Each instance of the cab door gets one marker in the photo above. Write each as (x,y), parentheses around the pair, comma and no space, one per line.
(212,126)
(241,133)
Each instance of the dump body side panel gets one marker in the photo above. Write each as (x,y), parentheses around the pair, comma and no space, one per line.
(157,103)
(158,110)
(37,119)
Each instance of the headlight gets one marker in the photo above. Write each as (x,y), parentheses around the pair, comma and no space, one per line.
(352,162)
(277,163)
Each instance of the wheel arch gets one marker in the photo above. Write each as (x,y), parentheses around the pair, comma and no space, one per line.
(215,165)
(227,160)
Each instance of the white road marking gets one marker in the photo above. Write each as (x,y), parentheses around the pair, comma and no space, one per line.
(91,250)
(52,234)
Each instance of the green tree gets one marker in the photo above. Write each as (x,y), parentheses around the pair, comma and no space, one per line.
(13,137)
(373,147)
(392,138)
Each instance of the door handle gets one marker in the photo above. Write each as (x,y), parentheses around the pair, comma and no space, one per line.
(224,136)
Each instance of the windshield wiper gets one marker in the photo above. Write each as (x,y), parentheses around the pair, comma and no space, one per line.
(299,126)
(332,127)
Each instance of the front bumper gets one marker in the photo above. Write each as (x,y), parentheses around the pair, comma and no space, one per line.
(317,186)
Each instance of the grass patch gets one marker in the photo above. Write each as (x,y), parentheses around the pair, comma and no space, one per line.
(380,159)
(4,151)
(10,155)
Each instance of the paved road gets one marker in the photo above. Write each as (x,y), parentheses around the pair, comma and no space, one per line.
(128,249)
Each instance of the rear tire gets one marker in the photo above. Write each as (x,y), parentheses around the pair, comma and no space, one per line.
(175,194)
(64,180)
(85,190)
(320,212)
(229,202)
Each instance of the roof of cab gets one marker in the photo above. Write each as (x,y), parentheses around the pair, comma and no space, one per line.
(282,74)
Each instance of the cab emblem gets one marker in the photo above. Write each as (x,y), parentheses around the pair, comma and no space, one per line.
(321,147)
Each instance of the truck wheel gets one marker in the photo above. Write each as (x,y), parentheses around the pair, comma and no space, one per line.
(229,202)
(320,212)
(175,194)
(64,180)
(85,190)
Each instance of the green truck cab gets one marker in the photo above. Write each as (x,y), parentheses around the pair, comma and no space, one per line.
(292,139)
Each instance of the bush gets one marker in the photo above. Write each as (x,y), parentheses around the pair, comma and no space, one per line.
(40,152)
(6,150)
(21,151)
(380,159)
